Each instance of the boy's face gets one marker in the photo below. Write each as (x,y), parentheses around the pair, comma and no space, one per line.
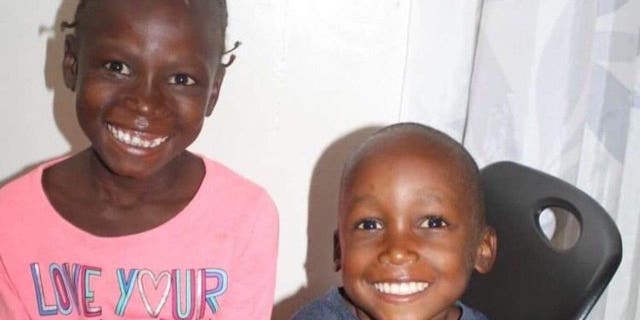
(146,73)
(407,237)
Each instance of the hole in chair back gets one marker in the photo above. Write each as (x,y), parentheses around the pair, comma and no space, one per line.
(559,226)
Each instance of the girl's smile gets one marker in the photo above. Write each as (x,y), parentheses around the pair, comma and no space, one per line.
(137,139)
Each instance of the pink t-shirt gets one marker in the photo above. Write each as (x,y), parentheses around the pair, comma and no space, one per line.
(215,260)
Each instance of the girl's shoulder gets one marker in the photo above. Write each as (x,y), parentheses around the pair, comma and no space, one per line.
(28,182)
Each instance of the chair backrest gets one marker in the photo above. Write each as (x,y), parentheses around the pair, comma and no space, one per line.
(531,279)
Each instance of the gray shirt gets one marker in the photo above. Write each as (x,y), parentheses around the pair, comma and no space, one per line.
(332,306)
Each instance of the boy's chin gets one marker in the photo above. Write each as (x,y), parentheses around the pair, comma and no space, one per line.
(409,311)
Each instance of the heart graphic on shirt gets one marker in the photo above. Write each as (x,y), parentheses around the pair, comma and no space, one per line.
(149,286)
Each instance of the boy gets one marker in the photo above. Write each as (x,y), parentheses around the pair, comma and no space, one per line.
(136,226)
(411,230)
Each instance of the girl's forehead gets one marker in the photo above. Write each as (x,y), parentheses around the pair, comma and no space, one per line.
(195,8)
(121,13)
(132,26)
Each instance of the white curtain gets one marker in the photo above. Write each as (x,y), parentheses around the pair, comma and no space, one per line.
(555,85)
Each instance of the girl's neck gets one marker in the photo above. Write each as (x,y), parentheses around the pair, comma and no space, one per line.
(169,181)
(93,198)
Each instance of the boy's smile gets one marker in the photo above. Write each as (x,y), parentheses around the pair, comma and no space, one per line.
(407,233)
(401,288)
(146,74)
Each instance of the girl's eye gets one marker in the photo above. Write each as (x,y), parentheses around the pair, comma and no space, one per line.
(118,67)
(182,80)
(434,222)
(369,224)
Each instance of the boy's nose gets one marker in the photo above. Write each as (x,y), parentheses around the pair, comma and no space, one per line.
(398,252)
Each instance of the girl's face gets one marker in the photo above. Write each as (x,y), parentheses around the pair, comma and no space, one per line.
(146,73)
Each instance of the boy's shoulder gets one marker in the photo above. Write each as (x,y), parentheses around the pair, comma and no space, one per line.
(330,306)
(469,313)
(333,306)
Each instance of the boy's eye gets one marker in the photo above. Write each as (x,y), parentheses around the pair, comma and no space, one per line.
(369,224)
(182,80)
(434,222)
(117,67)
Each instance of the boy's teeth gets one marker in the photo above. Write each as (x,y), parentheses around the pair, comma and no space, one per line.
(401,288)
(133,140)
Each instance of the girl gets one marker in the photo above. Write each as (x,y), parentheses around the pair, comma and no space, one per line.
(136,226)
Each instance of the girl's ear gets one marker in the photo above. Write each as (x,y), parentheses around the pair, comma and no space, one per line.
(486,250)
(70,62)
(337,252)
(215,90)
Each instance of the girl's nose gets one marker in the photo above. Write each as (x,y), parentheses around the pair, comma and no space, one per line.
(144,99)
(141,106)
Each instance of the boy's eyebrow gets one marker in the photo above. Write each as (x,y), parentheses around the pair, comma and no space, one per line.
(366,198)
(428,195)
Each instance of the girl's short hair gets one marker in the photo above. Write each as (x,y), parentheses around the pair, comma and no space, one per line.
(219,8)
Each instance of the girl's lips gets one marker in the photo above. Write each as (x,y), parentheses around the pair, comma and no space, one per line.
(136,139)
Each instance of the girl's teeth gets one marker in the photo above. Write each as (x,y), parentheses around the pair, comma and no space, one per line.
(401,288)
(133,140)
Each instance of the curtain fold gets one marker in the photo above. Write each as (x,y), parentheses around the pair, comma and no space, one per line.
(439,61)
(555,85)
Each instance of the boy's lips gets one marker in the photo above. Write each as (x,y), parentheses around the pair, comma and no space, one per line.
(404,288)
(136,139)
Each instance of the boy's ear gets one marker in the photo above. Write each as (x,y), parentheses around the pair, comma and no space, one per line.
(486,250)
(337,252)
(215,90)
(70,62)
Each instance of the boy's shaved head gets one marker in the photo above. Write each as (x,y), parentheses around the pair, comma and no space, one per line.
(411,225)
(420,139)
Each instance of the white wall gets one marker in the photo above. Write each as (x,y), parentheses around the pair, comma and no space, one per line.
(311,79)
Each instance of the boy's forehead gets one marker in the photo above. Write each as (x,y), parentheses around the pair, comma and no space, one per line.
(410,149)
(402,146)
(406,151)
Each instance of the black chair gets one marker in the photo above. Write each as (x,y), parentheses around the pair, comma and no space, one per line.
(532,279)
